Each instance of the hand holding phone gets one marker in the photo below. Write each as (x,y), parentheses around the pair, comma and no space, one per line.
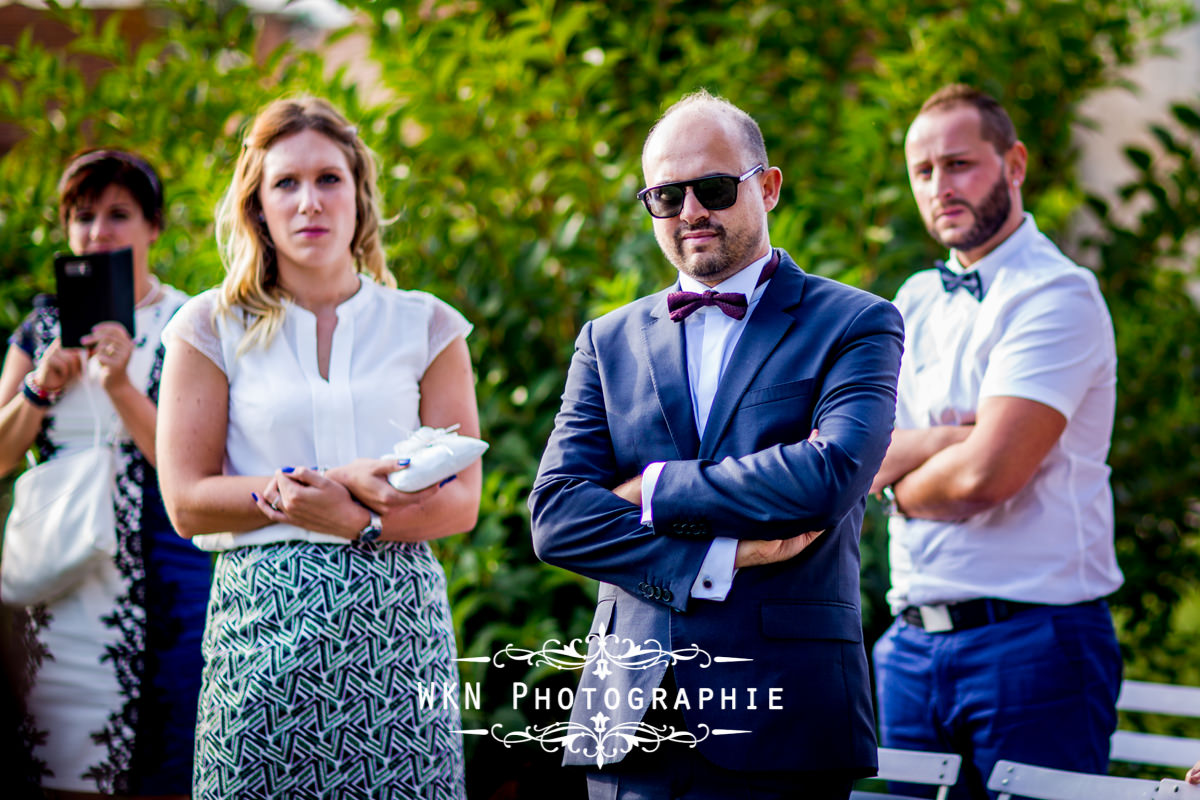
(93,288)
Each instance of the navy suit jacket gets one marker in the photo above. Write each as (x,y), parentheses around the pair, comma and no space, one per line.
(815,354)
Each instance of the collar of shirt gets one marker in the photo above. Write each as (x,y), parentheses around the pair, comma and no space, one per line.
(1005,252)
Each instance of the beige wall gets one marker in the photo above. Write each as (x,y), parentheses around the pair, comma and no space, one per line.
(1122,117)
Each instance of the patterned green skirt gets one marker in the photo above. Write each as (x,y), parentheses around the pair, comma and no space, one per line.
(314,658)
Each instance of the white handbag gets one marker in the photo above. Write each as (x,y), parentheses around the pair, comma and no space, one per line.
(62,523)
(434,454)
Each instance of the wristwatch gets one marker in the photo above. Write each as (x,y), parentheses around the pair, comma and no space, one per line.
(373,530)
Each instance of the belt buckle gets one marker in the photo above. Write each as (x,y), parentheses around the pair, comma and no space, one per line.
(936,619)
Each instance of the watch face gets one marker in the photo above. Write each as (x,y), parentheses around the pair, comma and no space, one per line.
(373,530)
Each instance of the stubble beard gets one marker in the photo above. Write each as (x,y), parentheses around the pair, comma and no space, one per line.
(723,258)
(990,216)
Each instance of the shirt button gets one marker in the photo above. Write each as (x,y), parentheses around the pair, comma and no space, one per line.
(707,583)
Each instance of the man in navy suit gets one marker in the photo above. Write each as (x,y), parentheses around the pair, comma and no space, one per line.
(709,466)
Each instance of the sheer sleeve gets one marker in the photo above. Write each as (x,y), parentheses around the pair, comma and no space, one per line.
(38,329)
(193,324)
(445,325)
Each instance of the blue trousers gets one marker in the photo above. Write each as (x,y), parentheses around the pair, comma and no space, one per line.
(1040,687)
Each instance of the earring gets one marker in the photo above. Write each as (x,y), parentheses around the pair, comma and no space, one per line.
(262,217)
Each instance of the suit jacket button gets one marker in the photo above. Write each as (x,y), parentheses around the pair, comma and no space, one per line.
(657,592)
(666,595)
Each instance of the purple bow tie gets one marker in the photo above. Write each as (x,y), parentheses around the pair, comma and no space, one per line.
(683,304)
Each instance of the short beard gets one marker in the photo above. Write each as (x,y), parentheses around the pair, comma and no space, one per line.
(730,254)
(990,217)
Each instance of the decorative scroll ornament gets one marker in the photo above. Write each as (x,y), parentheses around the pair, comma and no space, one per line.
(600,742)
(610,651)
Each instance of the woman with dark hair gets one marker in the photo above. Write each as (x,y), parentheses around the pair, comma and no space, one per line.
(115,664)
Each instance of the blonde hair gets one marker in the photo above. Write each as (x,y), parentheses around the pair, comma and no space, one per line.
(251,283)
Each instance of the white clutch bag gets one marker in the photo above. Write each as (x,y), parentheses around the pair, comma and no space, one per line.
(62,523)
(434,454)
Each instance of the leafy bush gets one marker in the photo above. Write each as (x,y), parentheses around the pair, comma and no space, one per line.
(510,136)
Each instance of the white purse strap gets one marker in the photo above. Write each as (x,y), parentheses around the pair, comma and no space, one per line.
(89,392)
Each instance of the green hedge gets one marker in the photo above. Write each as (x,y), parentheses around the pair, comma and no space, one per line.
(510,135)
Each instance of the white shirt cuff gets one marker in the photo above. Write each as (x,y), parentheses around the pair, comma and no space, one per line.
(716,573)
(649,480)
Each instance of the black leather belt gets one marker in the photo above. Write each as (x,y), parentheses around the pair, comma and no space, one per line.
(960,616)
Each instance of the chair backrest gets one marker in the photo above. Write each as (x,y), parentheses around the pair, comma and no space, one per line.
(1153,748)
(915,766)
(1013,779)
(1171,789)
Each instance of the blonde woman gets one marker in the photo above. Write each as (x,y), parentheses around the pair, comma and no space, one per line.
(280,390)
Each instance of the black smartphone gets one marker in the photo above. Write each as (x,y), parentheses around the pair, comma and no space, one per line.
(92,288)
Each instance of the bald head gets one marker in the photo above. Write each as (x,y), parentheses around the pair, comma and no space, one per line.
(699,108)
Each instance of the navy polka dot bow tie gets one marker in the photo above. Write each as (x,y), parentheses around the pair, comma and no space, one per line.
(952,280)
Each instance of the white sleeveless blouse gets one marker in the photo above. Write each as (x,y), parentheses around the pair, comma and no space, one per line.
(283,413)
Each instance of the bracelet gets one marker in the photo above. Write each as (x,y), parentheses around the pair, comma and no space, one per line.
(36,395)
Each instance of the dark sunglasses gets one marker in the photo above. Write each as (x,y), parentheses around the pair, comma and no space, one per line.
(714,193)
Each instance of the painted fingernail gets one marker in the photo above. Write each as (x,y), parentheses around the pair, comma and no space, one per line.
(443,483)
(288,470)
(255,496)
(403,462)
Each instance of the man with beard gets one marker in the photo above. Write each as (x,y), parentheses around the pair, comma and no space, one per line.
(710,466)
(1001,524)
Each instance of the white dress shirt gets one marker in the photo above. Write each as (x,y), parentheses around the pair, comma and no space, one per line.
(1042,332)
(710,335)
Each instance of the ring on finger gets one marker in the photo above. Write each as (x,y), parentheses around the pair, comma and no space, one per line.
(274,504)
(109,350)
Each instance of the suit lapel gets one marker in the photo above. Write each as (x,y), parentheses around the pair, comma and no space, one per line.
(764,330)
(667,361)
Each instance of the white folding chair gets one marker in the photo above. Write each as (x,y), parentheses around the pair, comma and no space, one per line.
(914,766)
(1013,779)
(1171,789)
(1154,748)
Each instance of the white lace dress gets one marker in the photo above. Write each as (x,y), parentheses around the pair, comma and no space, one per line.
(114,666)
